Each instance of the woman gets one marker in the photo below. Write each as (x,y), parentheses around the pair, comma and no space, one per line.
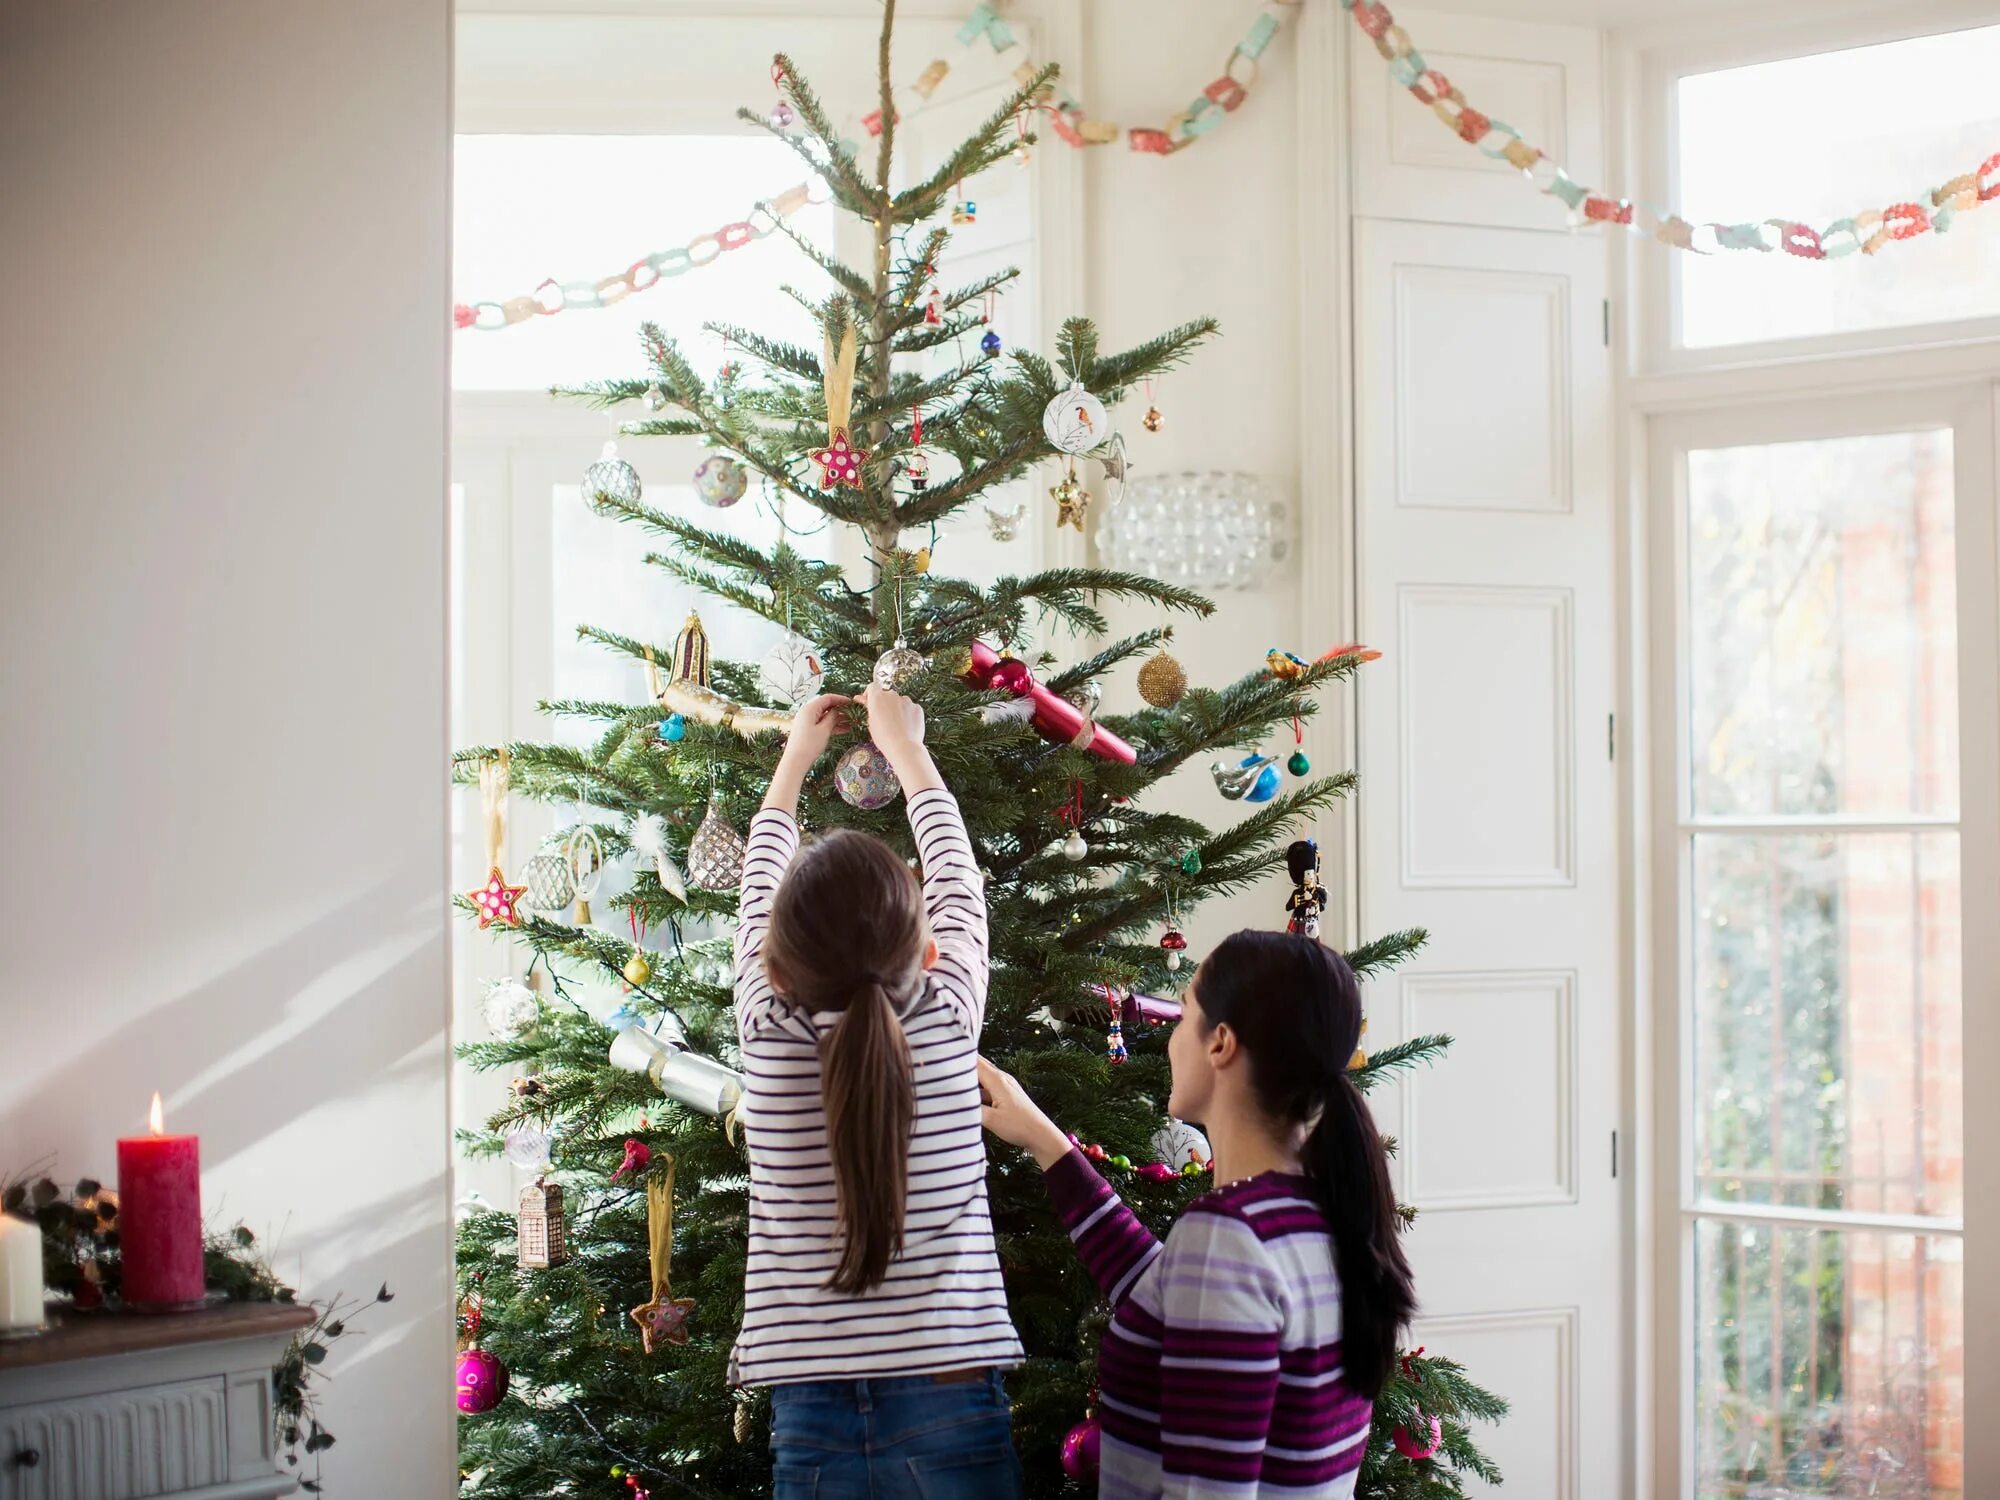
(1244,1355)
(873,1304)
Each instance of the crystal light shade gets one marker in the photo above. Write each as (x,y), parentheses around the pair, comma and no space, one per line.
(1209,530)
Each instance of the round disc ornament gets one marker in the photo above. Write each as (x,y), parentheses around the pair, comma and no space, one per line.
(1075,421)
(791,671)
(865,779)
(611,481)
(720,481)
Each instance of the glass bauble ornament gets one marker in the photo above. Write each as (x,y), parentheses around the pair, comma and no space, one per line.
(638,969)
(720,481)
(1298,764)
(482,1381)
(1178,1143)
(527,1145)
(899,666)
(654,398)
(510,1009)
(865,779)
(1074,422)
(1004,523)
(551,884)
(791,672)
(1265,787)
(715,855)
(1162,680)
(782,116)
(611,481)
(1074,848)
(989,343)
(1011,675)
(1152,421)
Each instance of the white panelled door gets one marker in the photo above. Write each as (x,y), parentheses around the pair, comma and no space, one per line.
(1485,568)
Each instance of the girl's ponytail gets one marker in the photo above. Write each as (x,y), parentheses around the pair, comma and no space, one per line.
(847,933)
(1349,1169)
(869,1090)
(1295,1007)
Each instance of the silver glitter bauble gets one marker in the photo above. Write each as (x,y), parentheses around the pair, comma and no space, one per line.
(715,856)
(510,1009)
(551,885)
(611,480)
(897,667)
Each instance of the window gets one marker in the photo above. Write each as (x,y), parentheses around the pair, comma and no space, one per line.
(1817,843)
(1819,138)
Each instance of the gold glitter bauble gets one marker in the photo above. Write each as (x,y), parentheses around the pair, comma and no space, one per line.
(1162,680)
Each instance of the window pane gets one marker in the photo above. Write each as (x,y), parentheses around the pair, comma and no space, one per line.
(1820,138)
(1823,674)
(581,207)
(1827,1021)
(1828,1363)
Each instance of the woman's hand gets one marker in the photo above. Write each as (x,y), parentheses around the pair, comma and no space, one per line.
(1010,1114)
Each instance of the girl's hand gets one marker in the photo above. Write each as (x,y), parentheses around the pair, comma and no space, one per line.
(814,726)
(1010,1114)
(895,723)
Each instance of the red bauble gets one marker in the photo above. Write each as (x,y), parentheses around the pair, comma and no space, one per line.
(1079,1449)
(1011,675)
(1411,1449)
(1174,940)
(482,1382)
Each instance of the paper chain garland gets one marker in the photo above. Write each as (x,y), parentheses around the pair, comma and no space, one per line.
(1067,118)
(1866,232)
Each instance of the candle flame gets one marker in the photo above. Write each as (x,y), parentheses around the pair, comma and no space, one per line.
(157,1119)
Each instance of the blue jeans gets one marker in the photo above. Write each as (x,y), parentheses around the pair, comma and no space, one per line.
(908,1437)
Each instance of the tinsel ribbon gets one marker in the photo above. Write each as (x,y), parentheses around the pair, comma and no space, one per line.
(838,371)
(493,803)
(1867,232)
(660,1227)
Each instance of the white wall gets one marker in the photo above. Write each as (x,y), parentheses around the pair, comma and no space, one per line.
(1210,231)
(223,587)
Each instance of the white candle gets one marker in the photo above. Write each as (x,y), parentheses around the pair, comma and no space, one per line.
(20,1275)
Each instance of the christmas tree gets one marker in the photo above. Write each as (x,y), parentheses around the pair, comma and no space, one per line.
(1083,882)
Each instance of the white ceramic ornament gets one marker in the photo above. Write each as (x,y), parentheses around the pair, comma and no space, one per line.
(510,1009)
(1074,848)
(865,779)
(720,481)
(1178,1143)
(1075,421)
(791,672)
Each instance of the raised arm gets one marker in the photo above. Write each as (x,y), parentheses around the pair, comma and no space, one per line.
(954,894)
(774,839)
(1221,1300)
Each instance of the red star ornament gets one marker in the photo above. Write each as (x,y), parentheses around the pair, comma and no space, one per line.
(839,461)
(496,900)
(663,1321)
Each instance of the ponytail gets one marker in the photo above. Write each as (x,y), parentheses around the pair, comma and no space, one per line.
(868,1087)
(847,930)
(1349,1169)
(1295,1007)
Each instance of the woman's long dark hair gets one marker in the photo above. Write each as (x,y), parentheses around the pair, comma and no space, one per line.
(1295,1008)
(847,934)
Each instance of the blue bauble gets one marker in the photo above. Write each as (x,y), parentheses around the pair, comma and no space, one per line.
(990,342)
(1266,786)
(674,727)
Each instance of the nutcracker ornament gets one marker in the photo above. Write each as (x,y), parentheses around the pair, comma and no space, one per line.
(1308,898)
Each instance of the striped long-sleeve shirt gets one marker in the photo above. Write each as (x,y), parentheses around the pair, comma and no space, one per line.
(1220,1373)
(942,1305)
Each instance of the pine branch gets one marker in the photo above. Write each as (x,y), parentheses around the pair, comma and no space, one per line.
(845,276)
(1400,1058)
(1387,951)
(992,140)
(791,358)
(1101,662)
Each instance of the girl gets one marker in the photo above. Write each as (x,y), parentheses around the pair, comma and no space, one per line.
(1244,1355)
(872,1302)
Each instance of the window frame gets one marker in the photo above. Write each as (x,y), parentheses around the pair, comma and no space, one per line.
(1660,67)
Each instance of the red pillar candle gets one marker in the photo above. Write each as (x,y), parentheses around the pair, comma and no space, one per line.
(159,1216)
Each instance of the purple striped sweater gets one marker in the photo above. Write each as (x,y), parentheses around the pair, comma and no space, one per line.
(942,1306)
(1220,1373)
